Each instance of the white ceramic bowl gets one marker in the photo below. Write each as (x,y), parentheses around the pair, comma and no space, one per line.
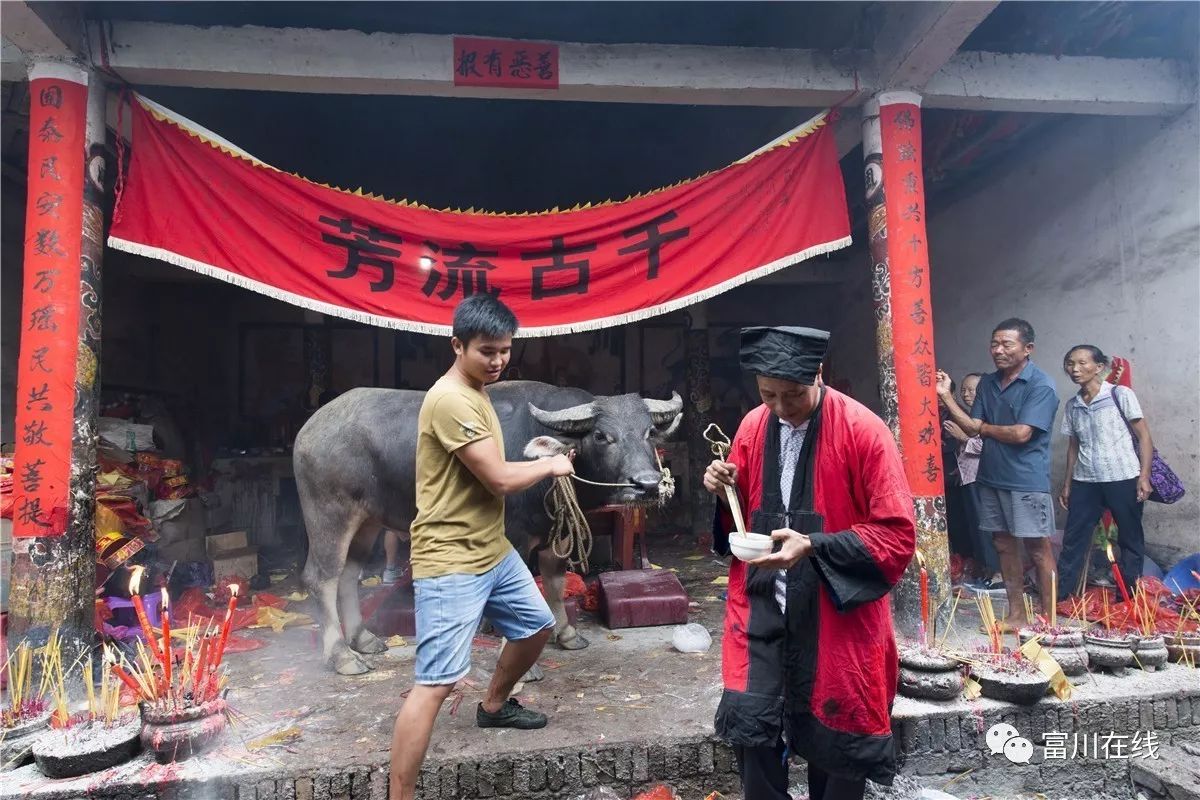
(750,546)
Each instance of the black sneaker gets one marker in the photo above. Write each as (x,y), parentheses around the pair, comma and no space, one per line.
(511,715)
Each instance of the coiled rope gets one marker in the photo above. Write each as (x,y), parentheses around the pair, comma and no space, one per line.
(570,533)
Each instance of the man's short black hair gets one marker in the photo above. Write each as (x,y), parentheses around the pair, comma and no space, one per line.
(483,315)
(1024,329)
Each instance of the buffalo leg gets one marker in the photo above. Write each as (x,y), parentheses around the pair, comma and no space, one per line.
(360,639)
(331,528)
(554,585)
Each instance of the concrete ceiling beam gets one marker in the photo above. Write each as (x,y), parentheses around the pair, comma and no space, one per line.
(977,81)
(917,39)
(914,43)
(46,30)
(12,62)
(352,62)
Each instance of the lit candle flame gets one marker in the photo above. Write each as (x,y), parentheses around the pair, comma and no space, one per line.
(233,590)
(920,559)
(135,579)
(166,598)
(1108,547)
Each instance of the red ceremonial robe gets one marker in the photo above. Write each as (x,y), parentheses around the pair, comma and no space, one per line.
(827,673)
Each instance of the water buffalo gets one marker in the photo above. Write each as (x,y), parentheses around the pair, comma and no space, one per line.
(355,472)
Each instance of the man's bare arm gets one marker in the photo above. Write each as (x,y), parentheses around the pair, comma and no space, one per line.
(502,477)
(1009,434)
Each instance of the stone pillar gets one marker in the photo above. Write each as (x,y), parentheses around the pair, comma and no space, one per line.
(54,545)
(697,414)
(904,319)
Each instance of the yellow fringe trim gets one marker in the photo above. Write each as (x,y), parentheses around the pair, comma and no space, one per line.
(163,114)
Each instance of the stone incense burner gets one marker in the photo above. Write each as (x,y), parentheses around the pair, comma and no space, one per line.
(929,674)
(1184,647)
(1012,679)
(1110,650)
(1150,652)
(177,734)
(17,742)
(1064,644)
(87,747)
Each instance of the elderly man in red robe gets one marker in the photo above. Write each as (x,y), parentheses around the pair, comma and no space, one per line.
(809,656)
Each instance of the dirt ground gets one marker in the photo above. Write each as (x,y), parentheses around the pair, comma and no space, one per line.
(294,714)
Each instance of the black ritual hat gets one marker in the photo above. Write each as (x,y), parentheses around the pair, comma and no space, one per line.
(790,354)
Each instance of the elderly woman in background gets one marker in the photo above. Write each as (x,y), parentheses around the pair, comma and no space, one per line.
(987,563)
(1107,468)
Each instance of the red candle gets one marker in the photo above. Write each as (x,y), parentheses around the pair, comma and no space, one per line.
(924,599)
(1117,574)
(233,590)
(201,675)
(135,581)
(166,638)
(127,679)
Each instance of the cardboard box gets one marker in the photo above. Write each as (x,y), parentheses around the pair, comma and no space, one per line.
(231,555)
(217,543)
(240,563)
(181,535)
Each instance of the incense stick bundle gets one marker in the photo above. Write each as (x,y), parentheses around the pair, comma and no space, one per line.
(984,601)
(950,622)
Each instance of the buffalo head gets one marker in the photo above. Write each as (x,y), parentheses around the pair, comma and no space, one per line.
(614,439)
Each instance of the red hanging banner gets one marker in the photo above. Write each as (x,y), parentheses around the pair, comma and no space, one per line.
(912,318)
(50,300)
(197,201)
(505,63)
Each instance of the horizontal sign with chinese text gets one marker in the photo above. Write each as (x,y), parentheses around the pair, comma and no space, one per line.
(505,63)
(194,200)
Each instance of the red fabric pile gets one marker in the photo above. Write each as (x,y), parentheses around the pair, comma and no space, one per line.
(1167,608)
(588,593)
(660,792)
(193,603)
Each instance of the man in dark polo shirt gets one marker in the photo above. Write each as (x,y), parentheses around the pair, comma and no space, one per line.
(1014,414)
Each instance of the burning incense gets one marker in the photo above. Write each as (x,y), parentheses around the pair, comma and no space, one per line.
(53,682)
(950,624)
(91,689)
(1116,571)
(984,601)
(19,672)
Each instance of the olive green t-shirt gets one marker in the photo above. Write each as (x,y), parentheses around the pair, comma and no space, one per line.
(460,524)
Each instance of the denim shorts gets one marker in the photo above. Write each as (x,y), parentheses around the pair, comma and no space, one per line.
(1026,515)
(450,607)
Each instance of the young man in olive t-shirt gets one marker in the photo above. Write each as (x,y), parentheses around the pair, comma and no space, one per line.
(463,566)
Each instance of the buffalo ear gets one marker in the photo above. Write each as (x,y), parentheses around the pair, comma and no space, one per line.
(669,430)
(547,446)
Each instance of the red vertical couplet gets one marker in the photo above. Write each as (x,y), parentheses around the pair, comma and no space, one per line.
(50,300)
(912,314)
